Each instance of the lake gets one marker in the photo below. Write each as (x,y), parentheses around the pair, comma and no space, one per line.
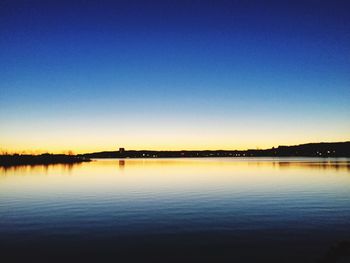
(175,210)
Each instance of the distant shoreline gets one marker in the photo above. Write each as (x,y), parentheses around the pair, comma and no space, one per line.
(337,149)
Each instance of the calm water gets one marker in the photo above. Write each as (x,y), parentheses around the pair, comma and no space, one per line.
(215,210)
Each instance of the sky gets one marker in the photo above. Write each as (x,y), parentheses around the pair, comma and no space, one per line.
(88,76)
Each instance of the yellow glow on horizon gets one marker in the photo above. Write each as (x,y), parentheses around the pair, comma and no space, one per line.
(98,136)
(75,148)
(65,146)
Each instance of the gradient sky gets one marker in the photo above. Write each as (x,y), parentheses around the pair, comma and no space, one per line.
(98,75)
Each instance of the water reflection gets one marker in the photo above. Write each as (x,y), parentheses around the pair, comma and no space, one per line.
(300,205)
(41,168)
(337,164)
(311,163)
(163,176)
(121,164)
(307,162)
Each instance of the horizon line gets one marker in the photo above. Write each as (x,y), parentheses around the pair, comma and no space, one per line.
(70,152)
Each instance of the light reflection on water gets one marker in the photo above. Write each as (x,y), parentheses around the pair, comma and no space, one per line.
(301,202)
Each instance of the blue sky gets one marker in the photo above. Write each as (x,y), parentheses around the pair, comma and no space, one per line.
(93,75)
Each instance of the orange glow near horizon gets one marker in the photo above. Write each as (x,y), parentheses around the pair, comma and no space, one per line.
(75,149)
(80,137)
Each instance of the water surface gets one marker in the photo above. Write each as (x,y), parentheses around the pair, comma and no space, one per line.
(208,209)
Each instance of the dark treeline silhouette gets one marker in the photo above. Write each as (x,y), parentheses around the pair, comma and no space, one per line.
(24,159)
(338,149)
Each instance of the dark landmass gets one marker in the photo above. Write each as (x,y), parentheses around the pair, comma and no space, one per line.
(25,159)
(337,149)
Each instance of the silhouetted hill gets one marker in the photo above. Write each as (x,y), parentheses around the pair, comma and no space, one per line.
(337,149)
